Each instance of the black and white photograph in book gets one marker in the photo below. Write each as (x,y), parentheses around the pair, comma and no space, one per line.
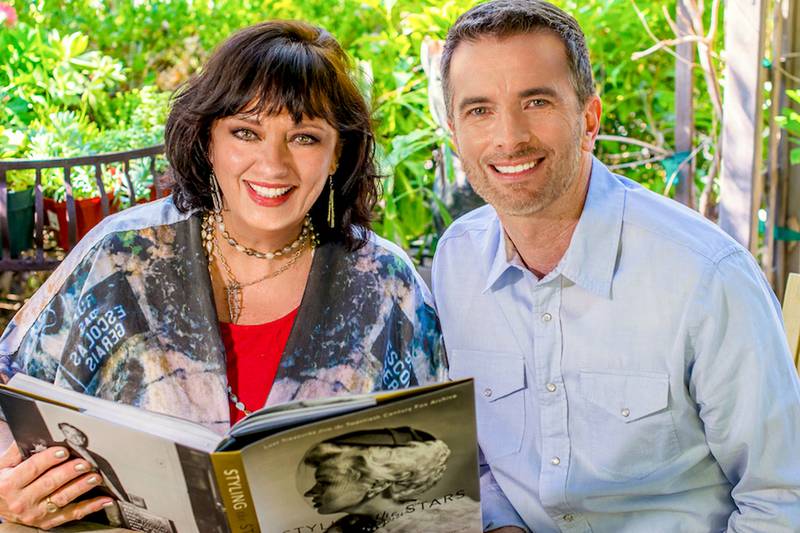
(378,478)
(141,502)
(375,472)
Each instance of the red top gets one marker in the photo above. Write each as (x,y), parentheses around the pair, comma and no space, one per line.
(253,353)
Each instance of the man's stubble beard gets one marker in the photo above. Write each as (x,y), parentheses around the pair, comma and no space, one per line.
(516,199)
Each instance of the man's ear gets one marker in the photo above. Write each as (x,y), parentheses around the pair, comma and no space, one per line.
(592,113)
(453,135)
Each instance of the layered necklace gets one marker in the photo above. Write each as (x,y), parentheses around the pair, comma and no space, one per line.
(234,293)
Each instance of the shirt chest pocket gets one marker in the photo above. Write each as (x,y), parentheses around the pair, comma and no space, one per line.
(624,426)
(499,397)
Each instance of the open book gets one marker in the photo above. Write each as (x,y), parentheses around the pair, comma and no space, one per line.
(400,461)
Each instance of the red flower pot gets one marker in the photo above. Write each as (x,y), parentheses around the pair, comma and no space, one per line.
(88,213)
(164,192)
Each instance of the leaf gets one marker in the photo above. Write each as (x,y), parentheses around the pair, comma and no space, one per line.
(794,156)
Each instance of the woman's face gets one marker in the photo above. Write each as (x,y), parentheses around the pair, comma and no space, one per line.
(337,491)
(73,435)
(271,171)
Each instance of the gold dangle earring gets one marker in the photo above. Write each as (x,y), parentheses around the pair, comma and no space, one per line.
(331,212)
(216,194)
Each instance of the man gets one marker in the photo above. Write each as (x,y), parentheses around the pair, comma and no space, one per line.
(631,367)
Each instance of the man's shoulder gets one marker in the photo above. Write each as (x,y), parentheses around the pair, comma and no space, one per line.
(469,226)
(668,223)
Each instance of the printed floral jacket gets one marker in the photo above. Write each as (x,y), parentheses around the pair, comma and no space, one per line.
(129,316)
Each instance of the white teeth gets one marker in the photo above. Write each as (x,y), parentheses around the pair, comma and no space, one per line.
(516,168)
(269,192)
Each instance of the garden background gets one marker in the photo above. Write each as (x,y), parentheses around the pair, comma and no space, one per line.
(90,76)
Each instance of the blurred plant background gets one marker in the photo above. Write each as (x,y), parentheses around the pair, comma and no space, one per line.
(81,77)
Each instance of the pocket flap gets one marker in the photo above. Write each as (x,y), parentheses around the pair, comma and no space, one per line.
(628,396)
(496,374)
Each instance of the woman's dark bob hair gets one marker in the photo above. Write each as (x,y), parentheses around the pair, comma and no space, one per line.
(276,67)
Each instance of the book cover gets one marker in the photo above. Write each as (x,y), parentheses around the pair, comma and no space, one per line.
(403,461)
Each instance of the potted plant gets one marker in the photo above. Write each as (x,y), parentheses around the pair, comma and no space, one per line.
(88,206)
(20,210)
(19,199)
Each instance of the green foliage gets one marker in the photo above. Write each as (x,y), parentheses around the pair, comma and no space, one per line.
(112,64)
(64,100)
(790,121)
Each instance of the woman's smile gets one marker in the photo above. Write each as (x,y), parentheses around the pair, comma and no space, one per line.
(268,195)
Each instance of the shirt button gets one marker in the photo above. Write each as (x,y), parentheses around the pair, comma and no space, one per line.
(568,518)
(487,392)
(625,412)
(555,461)
(550,387)
(547,317)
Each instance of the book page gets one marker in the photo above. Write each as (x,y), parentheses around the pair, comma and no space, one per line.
(143,472)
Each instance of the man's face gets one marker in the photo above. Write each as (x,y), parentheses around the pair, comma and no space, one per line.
(519,128)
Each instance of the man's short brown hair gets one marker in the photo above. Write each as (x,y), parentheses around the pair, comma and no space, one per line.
(505,18)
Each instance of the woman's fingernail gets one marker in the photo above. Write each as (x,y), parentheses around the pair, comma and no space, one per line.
(80,467)
(93,480)
(109,503)
(61,454)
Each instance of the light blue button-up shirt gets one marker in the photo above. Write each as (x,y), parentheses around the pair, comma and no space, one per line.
(644,385)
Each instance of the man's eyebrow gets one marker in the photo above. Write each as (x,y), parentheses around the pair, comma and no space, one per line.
(466,102)
(539,91)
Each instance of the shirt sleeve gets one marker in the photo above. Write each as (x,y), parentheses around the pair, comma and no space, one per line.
(747,393)
(496,509)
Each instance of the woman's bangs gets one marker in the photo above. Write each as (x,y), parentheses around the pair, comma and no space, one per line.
(292,80)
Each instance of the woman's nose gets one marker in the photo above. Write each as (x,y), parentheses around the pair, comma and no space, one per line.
(271,160)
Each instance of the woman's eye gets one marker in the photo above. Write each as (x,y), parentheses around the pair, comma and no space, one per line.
(245,134)
(304,139)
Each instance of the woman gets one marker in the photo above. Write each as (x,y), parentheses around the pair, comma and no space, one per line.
(258,282)
(379,477)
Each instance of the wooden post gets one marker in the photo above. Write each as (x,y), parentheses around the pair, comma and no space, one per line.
(684,106)
(790,202)
(774,214)
(741,180)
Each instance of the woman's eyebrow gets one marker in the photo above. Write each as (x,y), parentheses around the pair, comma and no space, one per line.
(248,117)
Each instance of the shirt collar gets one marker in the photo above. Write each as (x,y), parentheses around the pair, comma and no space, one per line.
(591,257)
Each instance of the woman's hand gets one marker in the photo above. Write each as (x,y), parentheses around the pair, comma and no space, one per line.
(39,491)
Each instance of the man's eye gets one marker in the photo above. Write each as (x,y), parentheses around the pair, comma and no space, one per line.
(245,134)
(478,111)
(304,139)
(537,102)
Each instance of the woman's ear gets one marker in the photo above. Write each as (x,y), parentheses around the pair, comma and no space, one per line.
(377,487)
(336,155)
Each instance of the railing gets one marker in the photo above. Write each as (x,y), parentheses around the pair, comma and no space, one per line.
(39,261)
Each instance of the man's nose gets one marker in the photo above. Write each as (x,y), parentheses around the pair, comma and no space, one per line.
(512,131)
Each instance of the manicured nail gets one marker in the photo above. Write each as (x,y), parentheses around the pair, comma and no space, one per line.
(94,480)
(81,467)
(61,454)
(109,503)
